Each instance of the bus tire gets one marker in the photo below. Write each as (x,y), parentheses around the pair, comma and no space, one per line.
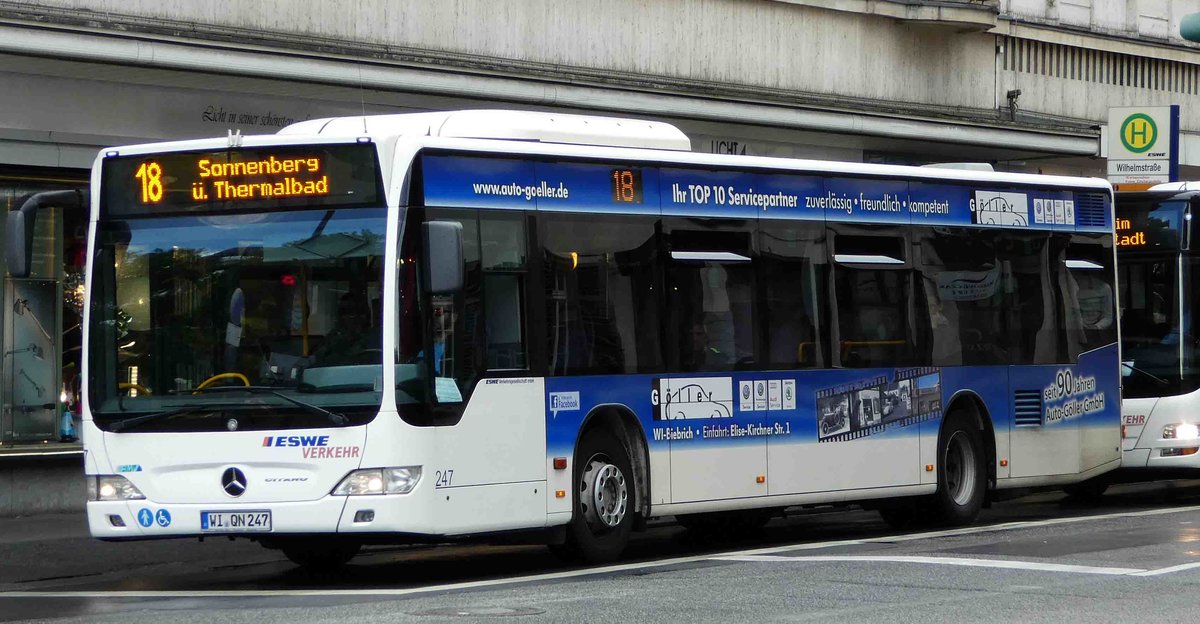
(321,557)
(962,474)
(604,499)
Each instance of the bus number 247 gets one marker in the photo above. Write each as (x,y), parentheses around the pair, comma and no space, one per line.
(442,478)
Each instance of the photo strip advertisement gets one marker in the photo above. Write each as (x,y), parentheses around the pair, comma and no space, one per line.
(861,408)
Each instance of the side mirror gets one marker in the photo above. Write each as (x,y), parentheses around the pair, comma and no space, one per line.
(443,266)
(18,244)
(18,236)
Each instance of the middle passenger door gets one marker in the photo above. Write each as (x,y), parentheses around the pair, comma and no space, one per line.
(868,407)
(711,332)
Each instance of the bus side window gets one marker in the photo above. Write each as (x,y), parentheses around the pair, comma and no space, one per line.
(601,294)
(711,294)
(455,321)
(481,327)
(1091,305)
(1026,259)
(503,245)
(795,273)
(873,298)
(961,281)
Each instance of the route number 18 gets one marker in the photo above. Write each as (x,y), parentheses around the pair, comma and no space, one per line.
(150,177)
(627,186)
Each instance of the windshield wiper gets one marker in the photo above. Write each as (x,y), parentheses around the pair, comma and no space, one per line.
(343,388)
(1152,376)
(126,423)
(334,417)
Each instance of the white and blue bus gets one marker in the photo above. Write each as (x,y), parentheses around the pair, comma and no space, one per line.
(456,325)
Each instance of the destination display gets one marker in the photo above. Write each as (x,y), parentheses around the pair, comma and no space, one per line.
(1149,226)
(475,182)
(242,179)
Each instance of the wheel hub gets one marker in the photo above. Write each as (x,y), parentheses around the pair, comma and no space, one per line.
(609,495)
(960,466)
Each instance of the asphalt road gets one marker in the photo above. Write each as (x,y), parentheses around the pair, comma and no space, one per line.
(1133,556)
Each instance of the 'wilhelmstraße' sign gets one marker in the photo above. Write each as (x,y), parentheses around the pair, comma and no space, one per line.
(1143,145)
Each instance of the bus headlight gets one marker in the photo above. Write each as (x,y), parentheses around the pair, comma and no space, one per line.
(112,488)
(379,481)
(1181,431)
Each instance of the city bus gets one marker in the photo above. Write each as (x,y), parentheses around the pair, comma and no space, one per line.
(450,326)
(1157,274)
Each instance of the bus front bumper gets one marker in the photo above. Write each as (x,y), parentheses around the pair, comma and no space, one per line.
(144,519)
(1164,454)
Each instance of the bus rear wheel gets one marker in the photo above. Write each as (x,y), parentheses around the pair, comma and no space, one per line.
(962,474)
(605,496)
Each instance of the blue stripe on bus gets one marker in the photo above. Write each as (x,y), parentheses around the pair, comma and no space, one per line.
(1083,395)
(503,183)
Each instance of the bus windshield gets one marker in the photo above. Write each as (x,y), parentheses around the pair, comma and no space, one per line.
(1160,350)
(186,309)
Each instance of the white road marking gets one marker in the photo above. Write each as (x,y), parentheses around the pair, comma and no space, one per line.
(954,561)
(1178,568)
(552,576)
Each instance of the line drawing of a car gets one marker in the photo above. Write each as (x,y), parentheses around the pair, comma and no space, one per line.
(999,211)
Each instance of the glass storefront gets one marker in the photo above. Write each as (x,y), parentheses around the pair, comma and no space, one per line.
(41,315)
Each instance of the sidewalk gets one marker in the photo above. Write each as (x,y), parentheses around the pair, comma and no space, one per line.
(42,478)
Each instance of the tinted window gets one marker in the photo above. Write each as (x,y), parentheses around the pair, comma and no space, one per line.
(873,298)
(711,296)
(1148,224)
(455,323)
(602,296)
(794,273)
(1090,305)
(1030,289)
(964,282)
(1188,335)
(503,245)
(482,327)
(1150,324)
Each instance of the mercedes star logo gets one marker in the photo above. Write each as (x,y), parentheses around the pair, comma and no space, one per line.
(234,482)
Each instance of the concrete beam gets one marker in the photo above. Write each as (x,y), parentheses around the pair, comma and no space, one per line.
(219,59)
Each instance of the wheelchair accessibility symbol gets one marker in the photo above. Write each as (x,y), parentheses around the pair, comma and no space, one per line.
(148,518)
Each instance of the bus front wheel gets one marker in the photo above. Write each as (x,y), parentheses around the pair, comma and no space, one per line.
(604,499)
